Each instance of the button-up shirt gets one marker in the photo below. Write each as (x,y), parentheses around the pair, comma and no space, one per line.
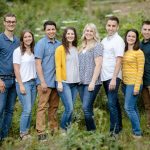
(45,50)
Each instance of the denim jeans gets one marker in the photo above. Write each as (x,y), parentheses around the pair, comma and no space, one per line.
(27,101)
(68,97)
(131,107)
(88,98)
(114,106)
(7,102)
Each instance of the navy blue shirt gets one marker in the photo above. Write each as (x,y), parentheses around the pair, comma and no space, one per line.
(45,50)
(145,47)
(7,48)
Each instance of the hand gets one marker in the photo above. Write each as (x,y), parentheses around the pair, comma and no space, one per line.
(60,87)
(2,86)
(44,87)
(91,86)
(22,89)
(135,92)
(112,84)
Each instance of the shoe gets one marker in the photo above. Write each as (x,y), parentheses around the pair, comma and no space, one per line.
(136,136)
(42,137)
(114,135)
(63,132)
(25,136)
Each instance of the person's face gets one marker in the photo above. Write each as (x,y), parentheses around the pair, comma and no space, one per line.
(27,39)
(131,38)
(111,27)
(50,31)
(70,36)
(10,23)
(89,33)
(146,31)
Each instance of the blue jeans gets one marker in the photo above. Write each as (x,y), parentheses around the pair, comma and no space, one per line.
(88,98)
(7,103)
(68,96)
(27,102)
(114,106)
(131,107)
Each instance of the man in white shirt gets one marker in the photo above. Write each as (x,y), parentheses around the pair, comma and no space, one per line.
(111,71)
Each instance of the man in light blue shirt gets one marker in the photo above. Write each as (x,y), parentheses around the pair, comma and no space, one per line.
(45,65)
(8,43)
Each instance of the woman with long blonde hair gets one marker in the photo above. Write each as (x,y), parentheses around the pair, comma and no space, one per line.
(90,61)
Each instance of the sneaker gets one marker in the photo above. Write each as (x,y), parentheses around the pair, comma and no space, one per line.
(136,136)
(114,135)
(25,136)
(63,132)
(42,137)
(54,131)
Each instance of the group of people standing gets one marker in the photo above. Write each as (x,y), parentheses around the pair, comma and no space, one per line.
(56,69)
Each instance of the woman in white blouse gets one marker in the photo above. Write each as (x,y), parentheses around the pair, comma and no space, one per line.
(25,72)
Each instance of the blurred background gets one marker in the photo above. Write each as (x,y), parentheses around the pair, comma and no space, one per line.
(31,14)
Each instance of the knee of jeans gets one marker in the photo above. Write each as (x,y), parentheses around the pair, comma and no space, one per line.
(128,108)
(69,110)
(111,106)
(86,110)
(27,112)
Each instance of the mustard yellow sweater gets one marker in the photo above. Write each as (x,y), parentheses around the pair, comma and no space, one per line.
(133,68)
(60,62)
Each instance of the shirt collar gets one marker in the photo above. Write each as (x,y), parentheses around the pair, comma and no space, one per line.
(7,39)
(49,41)
(112,36)
(145,42)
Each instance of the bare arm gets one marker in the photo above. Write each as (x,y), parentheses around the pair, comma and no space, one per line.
(41,75)
(97,69)
(18,77)
(112,84)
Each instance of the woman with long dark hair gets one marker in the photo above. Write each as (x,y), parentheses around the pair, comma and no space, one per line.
(67,73)
(133,67)
(25,72)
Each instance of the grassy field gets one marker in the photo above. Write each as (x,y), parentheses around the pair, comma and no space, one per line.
(77,13)
(77,138)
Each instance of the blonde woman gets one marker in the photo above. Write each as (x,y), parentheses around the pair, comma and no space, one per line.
(90,60)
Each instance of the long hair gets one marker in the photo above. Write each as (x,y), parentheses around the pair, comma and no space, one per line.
(65,43)
(137,42)
(96,36)
(22,46)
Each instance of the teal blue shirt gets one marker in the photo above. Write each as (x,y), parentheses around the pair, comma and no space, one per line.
(145,47)
(45,50)
(7,48)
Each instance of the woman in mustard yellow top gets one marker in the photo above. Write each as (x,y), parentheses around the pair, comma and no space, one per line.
(133,66)
(67,73)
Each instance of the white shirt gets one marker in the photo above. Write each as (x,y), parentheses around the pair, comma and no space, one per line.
(113,46)
(27,65)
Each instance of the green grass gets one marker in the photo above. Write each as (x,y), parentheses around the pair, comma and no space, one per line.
(77,137)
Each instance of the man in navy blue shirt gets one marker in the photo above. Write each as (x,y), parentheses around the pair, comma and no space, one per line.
(145,46)
(8,43)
